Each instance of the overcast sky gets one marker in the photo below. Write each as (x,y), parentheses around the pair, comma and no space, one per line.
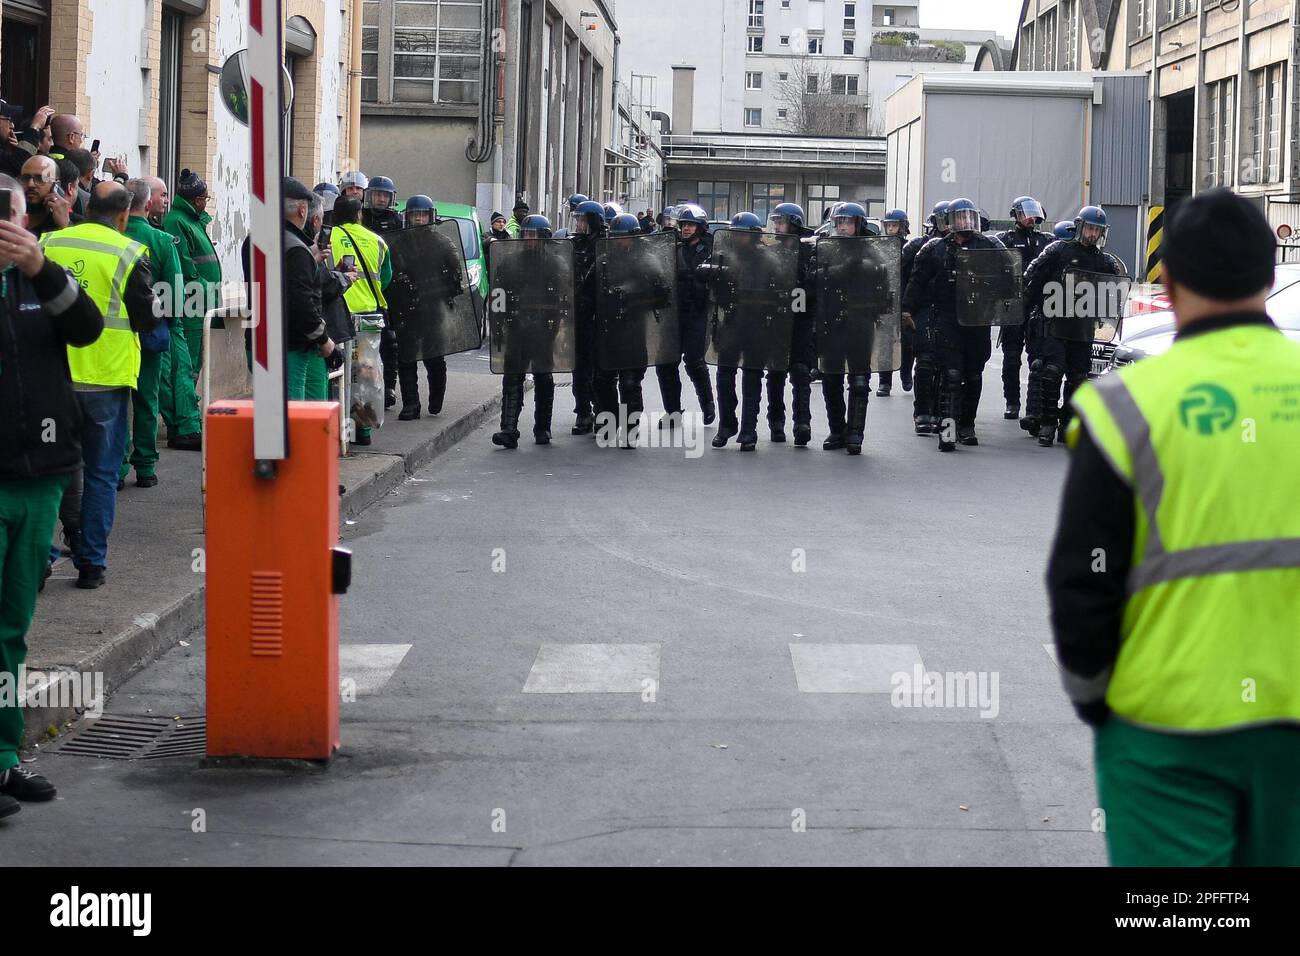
(997,15)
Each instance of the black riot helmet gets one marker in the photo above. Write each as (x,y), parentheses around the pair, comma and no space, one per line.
(419,211)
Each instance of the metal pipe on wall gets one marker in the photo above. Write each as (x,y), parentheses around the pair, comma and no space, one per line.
(354,86)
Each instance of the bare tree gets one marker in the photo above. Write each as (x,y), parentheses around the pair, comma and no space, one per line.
(813,105)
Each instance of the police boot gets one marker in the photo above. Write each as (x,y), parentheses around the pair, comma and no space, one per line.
(776,405)
(886,384)
(670,388)
(703,391)
(1048,394)
(923,401)
(949,409)
(436,371)
(1046,434)
(750,395)
(543,403)
(388,357)
(966,435)
(727,426)
(857,414)
(629,387)
(512,403)
(1033,398)
(801,404)
(408,378)
(833,396)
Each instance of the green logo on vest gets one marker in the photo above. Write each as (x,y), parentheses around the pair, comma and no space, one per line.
(1207,408)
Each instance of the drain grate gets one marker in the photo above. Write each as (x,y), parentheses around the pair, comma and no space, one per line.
(132,737)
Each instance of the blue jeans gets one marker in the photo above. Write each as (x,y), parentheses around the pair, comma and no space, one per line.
(104,418)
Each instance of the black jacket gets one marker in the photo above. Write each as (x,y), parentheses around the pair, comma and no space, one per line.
(39,319)
(1030,243)
(381,220)
(692,290)
(933,282)
(334,308)
(910,249)
(304,326)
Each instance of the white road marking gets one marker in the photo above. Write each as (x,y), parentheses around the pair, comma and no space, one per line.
(370,665)
(851,668)
(594,669)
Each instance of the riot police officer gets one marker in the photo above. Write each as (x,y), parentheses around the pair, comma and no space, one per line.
(960,351)
(512,385)
(693,250)
(788,220)
(353,186)
(381,198)
(1029,241)
(1058,357)
(588,228)
(1063,229)
(615,387)
(420,211)
(896,225)
(746,228)
(847,426)
(924,402)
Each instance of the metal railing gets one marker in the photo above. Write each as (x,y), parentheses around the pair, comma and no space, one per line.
(867,151)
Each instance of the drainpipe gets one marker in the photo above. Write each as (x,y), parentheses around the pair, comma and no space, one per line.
(354,85)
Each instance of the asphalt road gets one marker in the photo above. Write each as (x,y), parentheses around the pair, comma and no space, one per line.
(578,655)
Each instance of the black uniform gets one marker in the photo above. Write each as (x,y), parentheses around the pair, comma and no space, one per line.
(585,403)
(450,264)
(615,387)
(910,248)
(522,350)
(382,221)
(914,343)
(847,422)
(693,320)
(1030,243)
(803,356)
(960,352)
(1053,358)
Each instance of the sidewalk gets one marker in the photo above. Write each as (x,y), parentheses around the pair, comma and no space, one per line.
(154,595)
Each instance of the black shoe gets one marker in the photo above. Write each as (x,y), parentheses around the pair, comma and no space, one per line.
(146,481)
(542,436)
(883,391)
(90,578)
(121,483)
(1047,435)
(1029,425)
(922,425)
(186,442)
(435,406)
(585,425)
(778,435)
(966,435)
(361,440)
(22,784)
(946,445)
(853,448)
(748,442)
(8,806)
(833,443)
(1012,412)
(409,413)
(722,437)
(506,439)
(906,377)
(802,436)
(390,398)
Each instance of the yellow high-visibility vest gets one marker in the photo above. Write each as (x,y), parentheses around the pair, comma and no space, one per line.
(369,250)
(101,260)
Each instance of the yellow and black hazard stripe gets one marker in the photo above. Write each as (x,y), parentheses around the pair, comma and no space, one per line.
(1155,238)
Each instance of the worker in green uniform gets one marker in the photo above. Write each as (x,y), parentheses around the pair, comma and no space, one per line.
(178,402)
(188,221)
(1175,575)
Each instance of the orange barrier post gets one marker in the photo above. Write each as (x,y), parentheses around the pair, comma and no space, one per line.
(273,575)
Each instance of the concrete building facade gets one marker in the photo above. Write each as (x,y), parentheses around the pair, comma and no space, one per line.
(142,75)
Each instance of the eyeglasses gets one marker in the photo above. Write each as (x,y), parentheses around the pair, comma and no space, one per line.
(78,135)
(30,179)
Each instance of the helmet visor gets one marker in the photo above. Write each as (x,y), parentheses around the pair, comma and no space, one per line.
(1091,234)
(1032,209)
(965,220)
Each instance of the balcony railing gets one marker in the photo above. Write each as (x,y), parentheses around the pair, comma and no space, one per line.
(738,149)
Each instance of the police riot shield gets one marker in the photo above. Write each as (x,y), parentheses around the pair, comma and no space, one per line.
(530,306)
(1088,307)
(752,277)
(429,300)
(990,287)
(636,302)
(858,305)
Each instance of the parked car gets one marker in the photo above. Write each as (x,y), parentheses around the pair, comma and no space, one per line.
(1152,333)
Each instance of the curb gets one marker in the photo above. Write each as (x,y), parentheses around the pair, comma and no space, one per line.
(151,634)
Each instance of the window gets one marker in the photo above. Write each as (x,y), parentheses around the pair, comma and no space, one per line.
(169,95)
(782,114)
(1027,47)
(1266,132)
(431,50)
(25,55)
(1047,41)
(785,41)
(820,198)
(753,117)
(754,80)
(785,4)
(715,200)
(767,196)
(888,18)
(812,83)
(848,47)
(783,76)
(755,44)
(1177,9)
(756,14)
(1143,13)
(815,46)
(1219,127)
(844,84)
(1069,34)
(850,16)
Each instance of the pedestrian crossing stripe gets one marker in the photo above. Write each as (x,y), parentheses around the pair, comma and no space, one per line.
(1155,239)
